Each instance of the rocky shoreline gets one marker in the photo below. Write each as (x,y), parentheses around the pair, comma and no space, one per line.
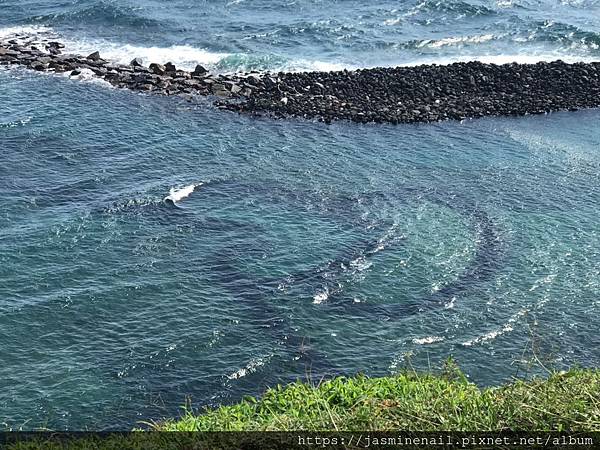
(426,93)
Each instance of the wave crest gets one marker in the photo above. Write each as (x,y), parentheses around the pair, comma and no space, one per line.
(102,13)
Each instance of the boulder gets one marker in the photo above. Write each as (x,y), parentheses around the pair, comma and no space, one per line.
(37,65)
(99,71)
(94,56)
(136,62)
(141,69)
(170,67)
(158,69)
(220,90)
(56,66)
(111,75)
(199,71)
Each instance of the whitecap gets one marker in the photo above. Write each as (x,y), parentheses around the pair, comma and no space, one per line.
(427,340)
(251,367)
(457,40)
(450,304)
(321,296)
(490,336)
(16,123)
(88,76)
(176,195)
(27,31)
(183,56)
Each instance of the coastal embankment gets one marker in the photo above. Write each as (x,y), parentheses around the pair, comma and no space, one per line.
(425,93)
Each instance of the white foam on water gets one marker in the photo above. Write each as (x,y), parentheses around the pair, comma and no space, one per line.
(393,21)
(360,264)
(88,76)
(183,56)
(29,31)
(490,336)
(457,40)
(16,123)
(321,296)
(505,3)
(187,57)
(451,304)
(251,367)
(520,58)
(176,195)
(428,340)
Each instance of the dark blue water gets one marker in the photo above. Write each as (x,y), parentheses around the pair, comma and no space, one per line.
(305,249)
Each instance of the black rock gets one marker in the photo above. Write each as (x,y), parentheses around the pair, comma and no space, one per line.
(158,69)
(56,65)
(136,62)
(170,67)
(395,95)
(199,71)
(94,56)
(99,71)
(37,65)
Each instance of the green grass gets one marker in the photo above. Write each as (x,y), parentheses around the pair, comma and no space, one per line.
(410,401)
(565,401)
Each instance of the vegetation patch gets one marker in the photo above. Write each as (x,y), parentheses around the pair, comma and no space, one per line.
(411,401)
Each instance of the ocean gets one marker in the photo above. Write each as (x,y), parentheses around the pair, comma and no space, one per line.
(303,250)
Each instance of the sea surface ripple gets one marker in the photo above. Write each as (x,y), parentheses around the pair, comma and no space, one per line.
(287,249)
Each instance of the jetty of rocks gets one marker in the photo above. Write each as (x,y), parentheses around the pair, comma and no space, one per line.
(426,93)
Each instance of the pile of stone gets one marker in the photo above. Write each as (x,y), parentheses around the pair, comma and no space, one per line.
(425,93)
(428,93)
(157,78)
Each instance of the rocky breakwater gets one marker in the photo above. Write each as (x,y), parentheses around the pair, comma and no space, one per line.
(164,79)
(426,93)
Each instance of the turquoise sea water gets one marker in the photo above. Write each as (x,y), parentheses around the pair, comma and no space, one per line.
(305,249)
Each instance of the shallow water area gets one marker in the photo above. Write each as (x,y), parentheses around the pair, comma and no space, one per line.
(304,248)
